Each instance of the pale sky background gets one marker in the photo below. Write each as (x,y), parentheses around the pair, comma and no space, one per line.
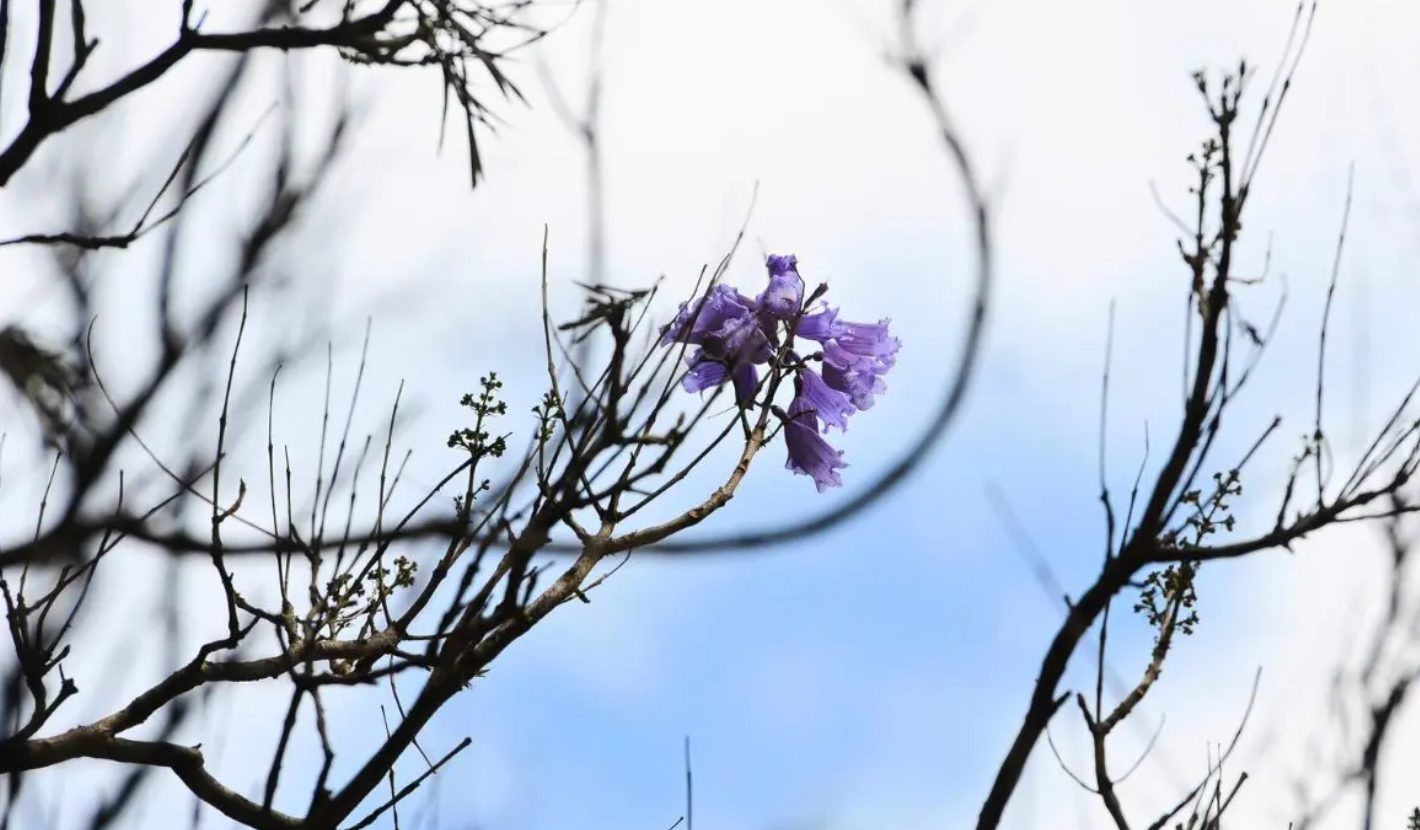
(874,676)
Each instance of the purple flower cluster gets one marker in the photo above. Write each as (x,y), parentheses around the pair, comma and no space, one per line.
(734,334)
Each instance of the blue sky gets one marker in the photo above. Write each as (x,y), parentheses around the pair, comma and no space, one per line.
(872,676)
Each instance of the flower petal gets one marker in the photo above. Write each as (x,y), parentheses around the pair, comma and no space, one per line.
(782,264)
(821,327)
(746,379)
(704,373)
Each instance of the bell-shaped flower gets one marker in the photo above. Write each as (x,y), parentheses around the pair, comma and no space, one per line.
(831,405)
(870,340)
(821,326)
(739,340)
(785,293)
(704,373)
(705,315)
(857,376)
(809,454)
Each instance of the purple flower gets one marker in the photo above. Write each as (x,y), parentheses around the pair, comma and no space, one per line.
(821,327)
(740,340)
(730,336)
(746,379)
(779,265)
(857,376)
(832,405)
(870,340)
(809,454)
(704,373)
(736,334)
(706,315)
(863,339)
(786,288)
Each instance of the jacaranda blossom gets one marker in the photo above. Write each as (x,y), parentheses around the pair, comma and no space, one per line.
(735,334)
(809,454)
(781,300)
